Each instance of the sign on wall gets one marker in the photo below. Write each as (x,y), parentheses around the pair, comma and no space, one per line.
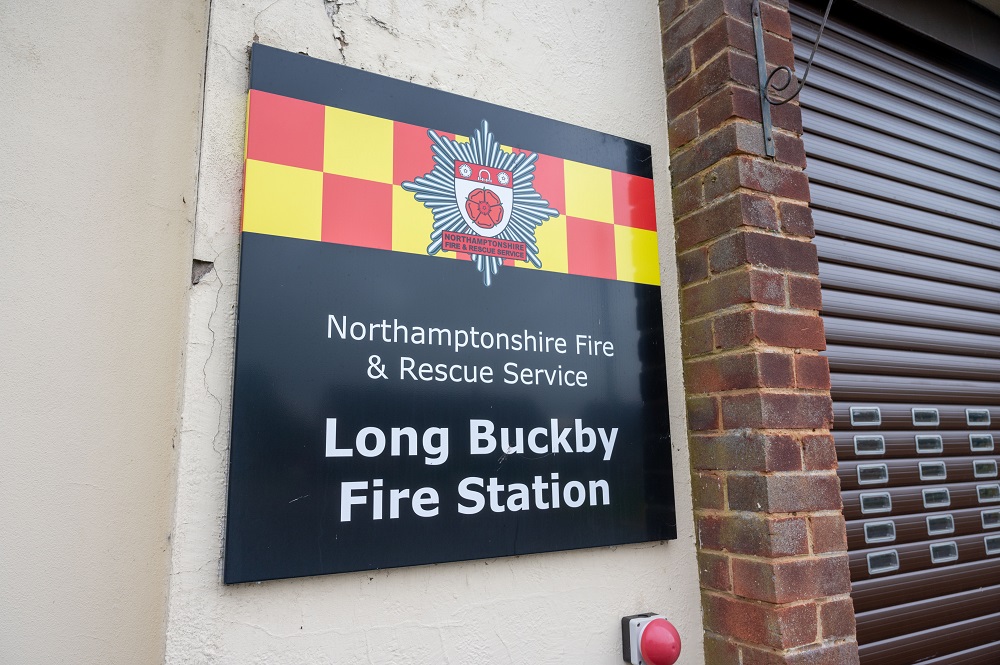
(449,341)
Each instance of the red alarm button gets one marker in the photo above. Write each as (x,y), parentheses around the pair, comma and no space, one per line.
(660,643)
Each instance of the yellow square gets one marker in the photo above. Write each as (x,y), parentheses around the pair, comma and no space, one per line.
(357,145)
(552,249)
(588,192)
(636,256)
(283,201)
(412,224)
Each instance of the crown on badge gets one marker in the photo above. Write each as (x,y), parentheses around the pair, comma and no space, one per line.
(483,201)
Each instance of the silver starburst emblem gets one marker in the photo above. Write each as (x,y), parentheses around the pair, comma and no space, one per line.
(483,201)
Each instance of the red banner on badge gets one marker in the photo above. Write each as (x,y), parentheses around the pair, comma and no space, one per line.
(484,174)
(473,244)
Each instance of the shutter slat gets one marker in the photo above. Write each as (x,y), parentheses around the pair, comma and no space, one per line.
(913,528)
(857,332)
(912,647)
(923,614)
(863,255)
(873,360)
(909,587)
(954,443)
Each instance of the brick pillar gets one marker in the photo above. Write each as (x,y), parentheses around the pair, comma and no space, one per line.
(771,537)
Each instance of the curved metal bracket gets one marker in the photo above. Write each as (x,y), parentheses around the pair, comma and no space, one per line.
(767,81)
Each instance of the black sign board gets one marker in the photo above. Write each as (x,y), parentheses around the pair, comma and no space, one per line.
(449,340)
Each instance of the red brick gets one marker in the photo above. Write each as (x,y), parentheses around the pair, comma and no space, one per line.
(703,413)
(698,17)
(787,116)
(738,9)
(764,250)
(776,370)
(766,288)
(805,293)
(784,492)
(717,294)
(728,67)
(738,371)
(725,215)
(725,33)
(779,627)
(709,532)
(721,180)
(735,329)
(720,650)
(777,411)
(776,20)
(696,338)
(713,570)
(677,67)
(772,328)
(745,450)
(789,330)
(733,288)
(670,10)
(789,149)
(812,372)
(682,130)
(836,619)
(779,52)
(735,138)
(707,491)
(818,452)
(791,580)
(759,175)
(692,266)
(829,533)
(686,197)
(726,103)
(796,219)
(762,535)
(718,373)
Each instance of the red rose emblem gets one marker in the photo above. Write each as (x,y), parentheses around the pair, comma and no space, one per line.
(484,208)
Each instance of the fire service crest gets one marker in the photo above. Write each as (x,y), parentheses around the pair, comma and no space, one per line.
(483,201)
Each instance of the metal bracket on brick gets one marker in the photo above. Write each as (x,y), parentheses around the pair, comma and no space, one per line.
(768,80)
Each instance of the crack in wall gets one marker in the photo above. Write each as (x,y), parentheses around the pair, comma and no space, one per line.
(332,8)
(382,24)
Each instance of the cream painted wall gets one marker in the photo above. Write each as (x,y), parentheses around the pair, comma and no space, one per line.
(99,125)
(595,64)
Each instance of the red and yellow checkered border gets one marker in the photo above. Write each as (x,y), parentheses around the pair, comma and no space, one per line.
(327,174)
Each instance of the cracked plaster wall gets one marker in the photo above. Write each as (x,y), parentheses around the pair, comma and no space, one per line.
(595,64)
(100,112)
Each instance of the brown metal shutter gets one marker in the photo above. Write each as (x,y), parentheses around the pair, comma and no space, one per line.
(904,165)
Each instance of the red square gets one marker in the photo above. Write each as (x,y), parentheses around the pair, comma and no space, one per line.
(357,212)
(285,131)
(634,202)
(550,182)
(590,248)
(411,152)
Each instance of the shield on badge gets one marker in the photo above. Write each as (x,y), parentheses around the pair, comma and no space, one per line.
(484,196)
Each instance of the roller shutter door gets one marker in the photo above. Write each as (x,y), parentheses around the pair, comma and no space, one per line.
(904,165)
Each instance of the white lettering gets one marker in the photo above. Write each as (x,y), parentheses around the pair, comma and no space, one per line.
(464,491)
